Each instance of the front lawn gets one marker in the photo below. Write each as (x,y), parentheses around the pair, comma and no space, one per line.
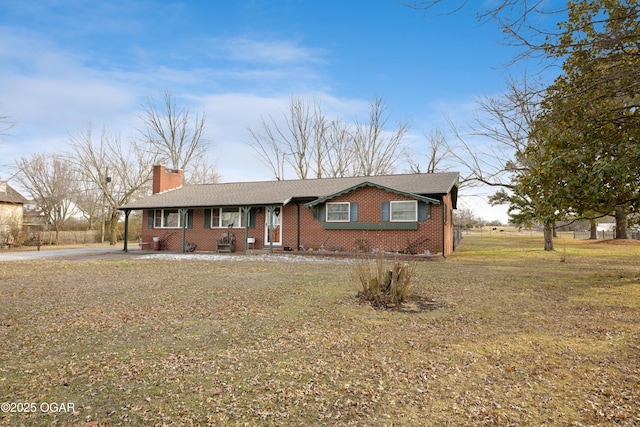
(519,337)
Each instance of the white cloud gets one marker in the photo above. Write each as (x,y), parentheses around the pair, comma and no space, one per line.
(274,52)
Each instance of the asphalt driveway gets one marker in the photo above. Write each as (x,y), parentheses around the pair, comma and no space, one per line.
(71,254)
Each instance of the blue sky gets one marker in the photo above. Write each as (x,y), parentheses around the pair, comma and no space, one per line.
(66,65)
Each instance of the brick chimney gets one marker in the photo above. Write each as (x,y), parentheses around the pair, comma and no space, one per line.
(166,179)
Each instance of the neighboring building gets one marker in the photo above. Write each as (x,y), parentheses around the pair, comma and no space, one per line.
(11,213)
(606,226)
(410,213)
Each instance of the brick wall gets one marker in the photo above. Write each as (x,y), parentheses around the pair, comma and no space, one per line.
(206,239)
(166,179)
(428,236)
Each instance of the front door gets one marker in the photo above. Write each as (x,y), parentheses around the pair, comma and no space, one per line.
(273,226)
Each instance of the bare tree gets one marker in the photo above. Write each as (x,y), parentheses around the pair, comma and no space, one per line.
(502,131)
(520,20)
(203,172)
(119,172)
(269,149)
(173,134)
(53,183)
(6,124)
(296,140)
(376,149)
(437,152)
(510,157)
(337,143)
(532,27)
(315,146)
(90,203)
(305,127)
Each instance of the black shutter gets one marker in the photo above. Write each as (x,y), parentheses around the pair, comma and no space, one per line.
(384,210)
(353,214)
(207,218)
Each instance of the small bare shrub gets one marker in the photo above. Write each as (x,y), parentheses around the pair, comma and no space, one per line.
(384,283)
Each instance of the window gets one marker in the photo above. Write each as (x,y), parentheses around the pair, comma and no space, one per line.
(405,211)
(226,217)
(338,212)
(167,218)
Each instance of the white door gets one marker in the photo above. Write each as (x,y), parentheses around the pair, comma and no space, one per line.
(273,226)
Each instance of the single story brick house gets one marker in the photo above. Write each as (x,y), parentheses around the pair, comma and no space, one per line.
(409,213)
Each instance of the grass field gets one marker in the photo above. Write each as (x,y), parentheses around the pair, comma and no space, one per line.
(521,337)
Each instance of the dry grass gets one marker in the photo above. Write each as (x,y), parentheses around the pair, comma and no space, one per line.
(525,339)
(384,284)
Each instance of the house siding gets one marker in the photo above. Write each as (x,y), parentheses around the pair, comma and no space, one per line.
(370,200)
(205,238)
(11,216)
(311,233)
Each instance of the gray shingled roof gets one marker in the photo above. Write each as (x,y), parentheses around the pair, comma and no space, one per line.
(371,184)
(282,192)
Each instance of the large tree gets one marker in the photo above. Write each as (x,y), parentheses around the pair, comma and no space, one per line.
(117,172)
(177,137)
(551,32)
(590,121)
(586,137)
(507,155)
(52,181)
(493,146)
(377,148)
(296,139)
(438,151)
(315,146)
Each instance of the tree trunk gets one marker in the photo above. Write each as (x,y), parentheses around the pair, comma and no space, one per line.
(621,223)
(548,236)
(113,228)
(593,230)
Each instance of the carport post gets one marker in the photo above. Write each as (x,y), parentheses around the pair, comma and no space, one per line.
(270,211)
(126,230)
(245,211)
(183,212)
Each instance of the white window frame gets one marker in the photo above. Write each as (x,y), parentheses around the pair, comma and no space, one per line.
(396,202)
(327,211)
(219,215)
(159,218)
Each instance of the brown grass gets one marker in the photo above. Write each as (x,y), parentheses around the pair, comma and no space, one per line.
(522,339)
(383,284)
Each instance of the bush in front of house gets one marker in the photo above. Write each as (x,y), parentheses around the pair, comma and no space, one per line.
(384,283)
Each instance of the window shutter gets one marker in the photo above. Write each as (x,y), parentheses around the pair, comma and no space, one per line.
(321,217)
(190,218)
(423,211)
(207,218)
(252,218)
(385,212)
(353,214)
(150,219)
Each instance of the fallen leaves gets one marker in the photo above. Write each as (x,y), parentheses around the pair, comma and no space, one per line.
(160,342)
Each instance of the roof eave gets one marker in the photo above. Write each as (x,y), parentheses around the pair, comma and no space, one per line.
(371,184)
